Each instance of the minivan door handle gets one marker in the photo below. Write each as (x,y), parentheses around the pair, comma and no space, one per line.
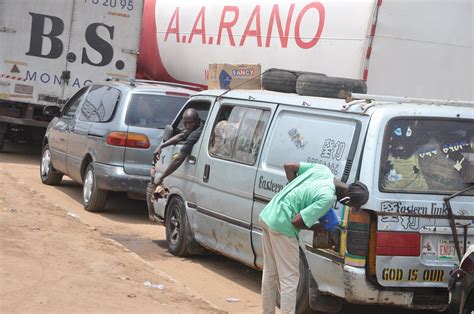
(207,169)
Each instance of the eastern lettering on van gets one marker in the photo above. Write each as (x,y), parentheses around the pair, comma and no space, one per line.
(407,222)
(269,185)
(413,275)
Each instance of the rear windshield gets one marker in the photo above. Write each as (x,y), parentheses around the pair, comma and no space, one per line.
(153,111)
(427,155)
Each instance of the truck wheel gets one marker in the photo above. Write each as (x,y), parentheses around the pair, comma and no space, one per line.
(177,227)
(150,188)
(93,198)
(333,87)
(48,174)
(280,80)
(302,294)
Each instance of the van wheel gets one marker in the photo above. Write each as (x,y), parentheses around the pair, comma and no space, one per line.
(48,175)
(280,80)
(93,198)
(333,87)
(177,227)
(302,293)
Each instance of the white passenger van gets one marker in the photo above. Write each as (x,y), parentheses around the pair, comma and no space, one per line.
(412,155)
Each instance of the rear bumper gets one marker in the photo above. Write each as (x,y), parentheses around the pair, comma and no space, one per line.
(350,283)
(358,290)
(114,178)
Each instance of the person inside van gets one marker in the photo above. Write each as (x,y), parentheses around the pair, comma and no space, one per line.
(191,134)
(308,196)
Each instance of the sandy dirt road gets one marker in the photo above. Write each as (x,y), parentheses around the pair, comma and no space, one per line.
(55,257)
(51,261)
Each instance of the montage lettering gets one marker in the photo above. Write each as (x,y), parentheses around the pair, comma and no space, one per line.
(269,185)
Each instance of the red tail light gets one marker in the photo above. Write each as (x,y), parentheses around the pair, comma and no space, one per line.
(398,243)
(134,140)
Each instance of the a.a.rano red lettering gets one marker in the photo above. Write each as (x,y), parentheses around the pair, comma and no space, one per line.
(275,17)
(200,19)
(256,32)
(228,25)
(299,41)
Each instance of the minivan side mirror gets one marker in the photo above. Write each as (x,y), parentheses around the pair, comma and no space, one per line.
(167,133)
(51,111)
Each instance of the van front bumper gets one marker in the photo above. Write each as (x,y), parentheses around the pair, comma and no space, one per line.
(114,178)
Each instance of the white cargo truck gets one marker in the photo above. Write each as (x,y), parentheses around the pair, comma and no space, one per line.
(51,48)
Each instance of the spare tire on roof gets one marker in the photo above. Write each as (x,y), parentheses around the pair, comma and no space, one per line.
(327,86)
(281,80)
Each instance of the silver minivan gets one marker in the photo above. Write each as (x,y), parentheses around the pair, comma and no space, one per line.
(415,156)
(105,135)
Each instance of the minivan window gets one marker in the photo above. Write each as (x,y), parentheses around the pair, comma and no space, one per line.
(71,106)
(153,111)
(312,138)
(100,104)
(238,134)
(202,109)
(427,155)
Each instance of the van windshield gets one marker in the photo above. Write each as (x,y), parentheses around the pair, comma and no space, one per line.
(153,111)
(427,156)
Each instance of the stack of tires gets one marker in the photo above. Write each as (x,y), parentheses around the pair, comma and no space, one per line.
(311,84)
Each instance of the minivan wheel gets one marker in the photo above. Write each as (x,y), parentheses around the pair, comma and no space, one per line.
(302,293)
(93,198)
(48,175)
(177,227)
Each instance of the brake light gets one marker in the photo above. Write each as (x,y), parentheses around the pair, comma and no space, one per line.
(358,233)
(398,243)
(133,140)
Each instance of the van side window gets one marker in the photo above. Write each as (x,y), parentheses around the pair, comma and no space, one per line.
(202,107)
(238,133)
(100,104)
(313,138)
(427,155)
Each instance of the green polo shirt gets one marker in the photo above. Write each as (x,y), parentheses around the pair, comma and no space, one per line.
(311,194)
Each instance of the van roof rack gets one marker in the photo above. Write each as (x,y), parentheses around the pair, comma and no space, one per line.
(370,97)
(193,87)
(133,81)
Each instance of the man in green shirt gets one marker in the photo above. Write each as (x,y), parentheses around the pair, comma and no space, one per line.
(307,197)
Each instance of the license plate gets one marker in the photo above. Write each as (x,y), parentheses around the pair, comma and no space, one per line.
(447,249)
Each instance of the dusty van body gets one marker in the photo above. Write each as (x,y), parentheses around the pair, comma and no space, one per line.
(410,153)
